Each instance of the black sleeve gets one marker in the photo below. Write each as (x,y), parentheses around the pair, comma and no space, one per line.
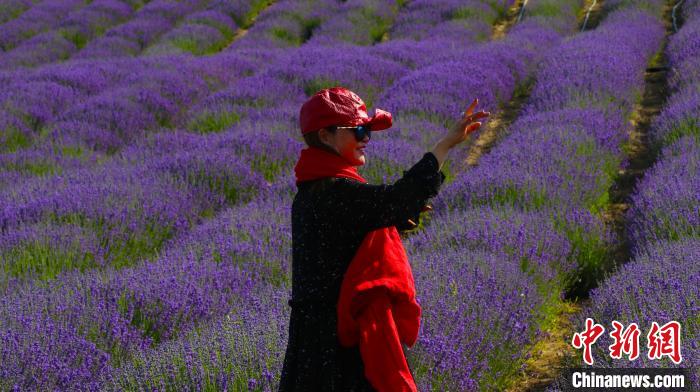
(370,207)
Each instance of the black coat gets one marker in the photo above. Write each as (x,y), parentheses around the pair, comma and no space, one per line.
(330,218)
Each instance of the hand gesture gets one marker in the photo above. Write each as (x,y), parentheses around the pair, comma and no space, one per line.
(465,126)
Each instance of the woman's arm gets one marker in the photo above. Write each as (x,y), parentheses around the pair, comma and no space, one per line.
(440,151)
(374,206)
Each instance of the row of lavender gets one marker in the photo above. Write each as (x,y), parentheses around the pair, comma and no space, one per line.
(530,206)
(197,359)
(56,30)
(662,281)
(80,113)
(113,312)
(34,105)
(78,98)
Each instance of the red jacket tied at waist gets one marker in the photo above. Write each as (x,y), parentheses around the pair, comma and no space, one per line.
(380,267)
(378,310)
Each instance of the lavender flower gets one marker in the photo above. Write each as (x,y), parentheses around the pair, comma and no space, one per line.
(666,202)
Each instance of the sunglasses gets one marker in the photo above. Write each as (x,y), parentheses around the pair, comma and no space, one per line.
(360,131)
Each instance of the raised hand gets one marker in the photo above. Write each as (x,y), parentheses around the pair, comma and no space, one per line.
(466,125)
(459,132)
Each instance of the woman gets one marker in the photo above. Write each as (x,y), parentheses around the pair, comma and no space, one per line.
(333,211)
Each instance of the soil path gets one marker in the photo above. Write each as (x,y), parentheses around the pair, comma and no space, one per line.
(638,151)
(591,14)
(501,27)
(501,120)
(243,30)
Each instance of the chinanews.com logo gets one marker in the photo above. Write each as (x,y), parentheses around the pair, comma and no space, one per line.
(661,341)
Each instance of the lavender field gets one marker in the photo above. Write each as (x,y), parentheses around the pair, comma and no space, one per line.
(146,181)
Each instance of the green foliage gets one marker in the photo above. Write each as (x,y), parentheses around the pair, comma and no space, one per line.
(657,59)
(192,45)
(503,368)
(41,261)
(523,88)
(225,30)
(464,13)
(309,25)
(592,254)
(137,4)
(268,168)
(238,355)
(583,154)
(376,32)
(37,168)
(137,246)
(286,36)
(245,21)
(12,13)
(26,34)
(514,196)
(74,36)
(601,203)
(42,168)
(689,126)
(69,151)
(579,99)
(448,170)
(149,328)
(14,140)
(498,9)
(217,184)
(482,36)
(674,227)
(125,246)
(469,14)
(546,8)
(211,121)
(188,44)
(526,266)
(316,84)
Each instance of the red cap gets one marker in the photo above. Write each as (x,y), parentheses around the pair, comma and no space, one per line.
(339,106)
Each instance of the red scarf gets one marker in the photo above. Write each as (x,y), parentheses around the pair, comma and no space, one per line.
(317,163)
(380,263)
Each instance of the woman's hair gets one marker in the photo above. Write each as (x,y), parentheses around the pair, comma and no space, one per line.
(313,140)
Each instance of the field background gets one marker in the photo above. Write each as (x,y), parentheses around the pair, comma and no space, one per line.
(146,181)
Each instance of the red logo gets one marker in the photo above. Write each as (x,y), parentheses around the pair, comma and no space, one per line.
(586,338)
(625,342)
(665,340)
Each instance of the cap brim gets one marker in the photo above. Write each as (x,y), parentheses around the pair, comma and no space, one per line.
(380,121)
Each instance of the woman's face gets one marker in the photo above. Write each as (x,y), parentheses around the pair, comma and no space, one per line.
(347,146)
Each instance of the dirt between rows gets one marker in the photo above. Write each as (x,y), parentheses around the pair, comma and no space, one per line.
(501,120)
